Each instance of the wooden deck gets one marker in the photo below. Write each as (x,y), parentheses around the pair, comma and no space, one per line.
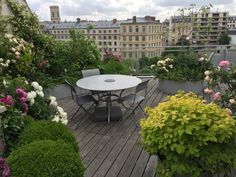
(113,150)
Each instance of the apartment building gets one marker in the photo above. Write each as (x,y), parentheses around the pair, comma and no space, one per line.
(177,27)
(131,38)
(231,22)
(208,26)
(141,37)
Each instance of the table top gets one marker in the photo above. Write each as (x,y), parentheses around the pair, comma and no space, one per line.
(108,82)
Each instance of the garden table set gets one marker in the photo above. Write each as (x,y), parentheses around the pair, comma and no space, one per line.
(108,84)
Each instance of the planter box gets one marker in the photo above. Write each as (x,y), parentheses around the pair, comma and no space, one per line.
(172,87)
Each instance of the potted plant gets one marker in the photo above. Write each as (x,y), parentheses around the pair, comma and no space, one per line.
(184,71)
(190,137)
(221,85)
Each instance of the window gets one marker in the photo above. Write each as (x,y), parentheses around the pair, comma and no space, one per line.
(124,54)
(136,45)
(124,38)
(109,37)
(143,38)
(104,37)
(99,37)
(99,31)
(115,31)
(130,38)
(130,45)
(115,43)
(136,38)
(124,29)
(124,45)
(143,28)
(115,37)
(136,29)
(53,15)
(94,31)
(130,54)
(105,31)
(109,43)
(130,29)
(104,43)
(109,31)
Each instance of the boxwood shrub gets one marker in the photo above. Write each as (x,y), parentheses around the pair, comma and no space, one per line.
(46,158)
(46,130)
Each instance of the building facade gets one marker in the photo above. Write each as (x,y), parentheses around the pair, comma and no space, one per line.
(208,26)
(132,38)
(231,22)
(177,27)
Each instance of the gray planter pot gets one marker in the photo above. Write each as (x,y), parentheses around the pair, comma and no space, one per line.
(172,87)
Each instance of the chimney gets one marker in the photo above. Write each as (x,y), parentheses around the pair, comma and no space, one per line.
(148,18)
(153,18)
(134,19)
(114,20)
(78,20)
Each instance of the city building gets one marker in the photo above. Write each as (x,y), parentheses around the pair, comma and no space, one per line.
(141,37)
(177,27)
(131,38)
(55,14)
(208,26)
(231,22)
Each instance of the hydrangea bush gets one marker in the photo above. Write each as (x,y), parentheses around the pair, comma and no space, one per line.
(221,82)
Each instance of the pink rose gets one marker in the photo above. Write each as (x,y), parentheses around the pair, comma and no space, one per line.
(207,78)
(217,96)
(8,100)
(224,64)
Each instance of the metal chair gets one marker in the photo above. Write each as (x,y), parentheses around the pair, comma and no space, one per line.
(93,72)
(80,100)
(90,72)
(135,99)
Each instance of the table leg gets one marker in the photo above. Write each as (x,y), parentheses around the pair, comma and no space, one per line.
(109,107)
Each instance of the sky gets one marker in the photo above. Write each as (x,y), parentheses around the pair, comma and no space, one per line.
(122,9)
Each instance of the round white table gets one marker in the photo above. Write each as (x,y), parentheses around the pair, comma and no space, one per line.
(109,83)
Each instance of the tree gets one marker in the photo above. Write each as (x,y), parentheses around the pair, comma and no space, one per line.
(224,39)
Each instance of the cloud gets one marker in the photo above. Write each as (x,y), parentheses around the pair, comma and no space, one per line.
(121,9)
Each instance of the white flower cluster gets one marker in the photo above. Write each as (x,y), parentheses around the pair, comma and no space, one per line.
(18,43)
(38,90)
(203,59)
(61,115)
(165,64)
(4,64)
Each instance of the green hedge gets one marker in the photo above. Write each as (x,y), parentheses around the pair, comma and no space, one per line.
(46,130)
(45,158)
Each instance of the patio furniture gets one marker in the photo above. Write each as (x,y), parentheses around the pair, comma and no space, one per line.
(108,83)
(80,100)
(134,99)
(92,72)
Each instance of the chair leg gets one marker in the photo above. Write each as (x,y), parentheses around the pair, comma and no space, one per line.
(75,113)
(85,110)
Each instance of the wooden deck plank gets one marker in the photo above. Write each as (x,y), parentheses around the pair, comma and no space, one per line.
(113,149)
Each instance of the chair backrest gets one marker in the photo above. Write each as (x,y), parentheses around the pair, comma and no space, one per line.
(90,72)
(73,91)
(142,86)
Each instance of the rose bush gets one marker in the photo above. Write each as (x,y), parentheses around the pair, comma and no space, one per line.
(221,85)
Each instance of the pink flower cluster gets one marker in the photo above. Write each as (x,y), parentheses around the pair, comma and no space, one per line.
(224,64)
(8,100)
(4,168)
(23,99)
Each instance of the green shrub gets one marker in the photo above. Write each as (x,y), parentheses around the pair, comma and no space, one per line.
(190,137)
(46,158)
(46,130)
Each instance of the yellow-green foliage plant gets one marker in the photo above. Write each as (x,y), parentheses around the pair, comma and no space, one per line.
(190,137)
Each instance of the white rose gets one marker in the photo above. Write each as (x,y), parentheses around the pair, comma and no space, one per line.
(31,95)
(13,49)
(32,101)
(52,98)
(1,60)
(8,36)
(60,109)
(17,53)
(65,122)
(201,59)
(15,40)
(8,61)
(40,88)
(40,93)
(232,101)
(56,118)
(35,84)
(63,115)
(53,104)
(171,66)
(207,73)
